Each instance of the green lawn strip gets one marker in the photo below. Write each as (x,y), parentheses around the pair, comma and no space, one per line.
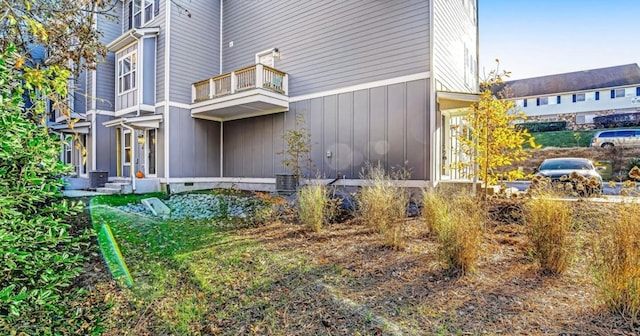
(188,274)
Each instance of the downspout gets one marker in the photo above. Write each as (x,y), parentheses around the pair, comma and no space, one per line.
(221,16)
(133,155)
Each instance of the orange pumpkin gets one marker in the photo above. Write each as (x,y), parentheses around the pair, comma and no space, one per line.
(139,174)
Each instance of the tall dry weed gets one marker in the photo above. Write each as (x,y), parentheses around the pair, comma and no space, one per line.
(382,203)
(548,224)
(313,202)
(433,208)
(459,225)
(617,262)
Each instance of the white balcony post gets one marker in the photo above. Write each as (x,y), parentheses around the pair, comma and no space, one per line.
(193,92)
(212,89)
(234,83)
(259,75)
(285,84)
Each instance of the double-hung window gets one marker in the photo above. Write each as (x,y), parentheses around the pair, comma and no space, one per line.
(127,73)
(141,12)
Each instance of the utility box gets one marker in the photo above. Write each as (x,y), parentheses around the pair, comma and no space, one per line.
(286,183)
(98,178)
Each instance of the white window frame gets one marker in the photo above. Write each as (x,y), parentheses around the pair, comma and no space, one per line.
(133,72)
(139,7)
(583,95)
(67,152)
(617,95)
(82,164)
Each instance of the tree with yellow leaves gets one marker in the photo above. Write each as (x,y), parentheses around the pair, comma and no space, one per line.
(490,136)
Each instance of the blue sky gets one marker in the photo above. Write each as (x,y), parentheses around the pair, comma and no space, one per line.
(537,38)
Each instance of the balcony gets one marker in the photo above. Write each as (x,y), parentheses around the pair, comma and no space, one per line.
(248,92)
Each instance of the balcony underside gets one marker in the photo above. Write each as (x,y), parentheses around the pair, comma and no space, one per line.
(244,104)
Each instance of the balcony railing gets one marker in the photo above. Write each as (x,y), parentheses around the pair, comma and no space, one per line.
(257,76)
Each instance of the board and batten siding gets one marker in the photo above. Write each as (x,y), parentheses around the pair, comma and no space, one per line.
(387,124)
(329,44)
(194,145)
(195,47)
(454,29)
(159,21)
(251,146)
(105,146)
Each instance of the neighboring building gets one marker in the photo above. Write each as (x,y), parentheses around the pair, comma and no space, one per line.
(202,100)
(578,97)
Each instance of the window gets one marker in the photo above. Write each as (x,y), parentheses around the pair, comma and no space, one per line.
(68,146)
(638,92)
(617,93)
(578,97)
(524,103)
(127,73)
(127,148)
(141,12)
(597,95)
(542,101)
(558,99)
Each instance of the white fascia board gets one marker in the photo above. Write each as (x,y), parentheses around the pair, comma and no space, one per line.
(130,37)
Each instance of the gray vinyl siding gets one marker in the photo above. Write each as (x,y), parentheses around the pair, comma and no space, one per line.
(131,97)
(194,145)
(160,22)
(89,89)
(251,146)
(105,83)
(389,124)
(453,30)
(195,47)
(79,91)
(105,75)
(329,44)
(105,146)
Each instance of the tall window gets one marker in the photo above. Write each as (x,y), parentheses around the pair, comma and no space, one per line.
(127,73)
(617,93)
(127,147)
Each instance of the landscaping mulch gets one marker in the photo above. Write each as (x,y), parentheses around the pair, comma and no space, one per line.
(357,286)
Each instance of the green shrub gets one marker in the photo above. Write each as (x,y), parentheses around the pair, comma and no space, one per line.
(382,203)
(548,223)
(543,126)
(39,256)
(617,261)
(313,204)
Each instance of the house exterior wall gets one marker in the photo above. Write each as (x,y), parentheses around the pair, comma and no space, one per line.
(195,47)
(105,145)
(194,145)
(455,52)
(105,73)
(326,45)
(629,103)
(388,124)
(82,85)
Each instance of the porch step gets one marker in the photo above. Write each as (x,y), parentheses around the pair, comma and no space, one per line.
(111,191)
(123,187)
(120,180)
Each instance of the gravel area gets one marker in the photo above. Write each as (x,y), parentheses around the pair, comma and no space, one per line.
(199,206)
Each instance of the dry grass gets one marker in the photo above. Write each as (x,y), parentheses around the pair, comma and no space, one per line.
(313,204)
(383,205)
(459,226)
(617,262)
(548,224)
(433,207)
